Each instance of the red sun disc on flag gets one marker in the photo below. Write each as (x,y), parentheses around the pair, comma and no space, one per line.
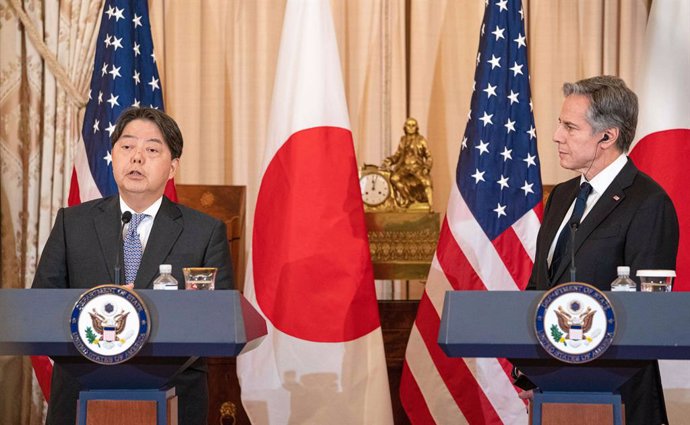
(312,270)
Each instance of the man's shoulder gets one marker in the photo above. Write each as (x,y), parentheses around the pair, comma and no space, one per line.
(193,215)
(635,182)
(89,207)
(647,184)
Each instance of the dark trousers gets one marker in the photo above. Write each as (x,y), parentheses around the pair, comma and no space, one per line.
(643,396)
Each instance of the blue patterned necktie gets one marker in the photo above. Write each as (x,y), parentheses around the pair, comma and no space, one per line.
(564,239)
(132,248)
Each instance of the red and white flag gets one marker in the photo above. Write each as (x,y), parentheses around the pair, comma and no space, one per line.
(662,143)
(310,272)
(488,238)
(662,147)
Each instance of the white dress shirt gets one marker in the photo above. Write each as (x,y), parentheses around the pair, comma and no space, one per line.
(144,229)
(599,183)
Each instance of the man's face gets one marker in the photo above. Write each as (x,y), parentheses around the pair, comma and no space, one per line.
(577,145)
(410,127)
(142,163)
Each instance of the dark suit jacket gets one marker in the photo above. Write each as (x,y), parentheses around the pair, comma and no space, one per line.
(632,224)
(81,253)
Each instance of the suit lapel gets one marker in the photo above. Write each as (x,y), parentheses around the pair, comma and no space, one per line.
(559,206)
(166,230)
(609,201)
(107,228)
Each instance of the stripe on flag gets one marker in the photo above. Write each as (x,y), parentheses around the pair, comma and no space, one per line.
(488,238)
(310,272)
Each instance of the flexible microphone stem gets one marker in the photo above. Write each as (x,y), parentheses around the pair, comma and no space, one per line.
(126,217)
(573,230)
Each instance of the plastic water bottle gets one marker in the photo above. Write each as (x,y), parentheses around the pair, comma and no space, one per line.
(165,279)
(623,281)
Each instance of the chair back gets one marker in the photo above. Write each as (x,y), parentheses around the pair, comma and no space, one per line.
(226,203)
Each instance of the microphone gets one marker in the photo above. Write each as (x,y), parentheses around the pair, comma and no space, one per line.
(126,217)
(573,229)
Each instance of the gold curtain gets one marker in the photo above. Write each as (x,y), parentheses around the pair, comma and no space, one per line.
(217,61)
(217,69)
(218,64)
(572,40)
(40,125)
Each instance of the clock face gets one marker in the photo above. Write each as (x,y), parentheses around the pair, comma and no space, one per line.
(375,189)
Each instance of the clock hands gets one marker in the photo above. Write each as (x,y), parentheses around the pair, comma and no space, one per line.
(375,189)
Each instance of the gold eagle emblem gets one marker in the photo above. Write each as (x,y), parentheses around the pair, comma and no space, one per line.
(581,320)
(99,321)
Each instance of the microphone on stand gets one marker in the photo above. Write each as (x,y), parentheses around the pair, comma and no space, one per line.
(126,217)
(573,229)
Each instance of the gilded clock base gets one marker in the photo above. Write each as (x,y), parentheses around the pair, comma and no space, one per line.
(402,244)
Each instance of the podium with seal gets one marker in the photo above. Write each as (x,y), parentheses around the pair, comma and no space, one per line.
(648,326)
(123,365)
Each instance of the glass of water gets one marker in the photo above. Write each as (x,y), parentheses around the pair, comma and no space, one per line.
(200,278)
(656,280)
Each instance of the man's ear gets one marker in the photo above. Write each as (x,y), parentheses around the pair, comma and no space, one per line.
(609,138)
(173,167)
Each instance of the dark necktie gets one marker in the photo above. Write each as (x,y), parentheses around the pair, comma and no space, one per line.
(132,248)
(561,251)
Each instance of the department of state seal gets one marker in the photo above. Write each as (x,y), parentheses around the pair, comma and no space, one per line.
(575,322)
(109,324)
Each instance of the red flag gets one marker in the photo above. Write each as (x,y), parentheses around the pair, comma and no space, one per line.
(488,238)
(310,271)
(663,130)
(663,146)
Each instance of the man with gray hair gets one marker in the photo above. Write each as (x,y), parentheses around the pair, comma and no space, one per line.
(620,216)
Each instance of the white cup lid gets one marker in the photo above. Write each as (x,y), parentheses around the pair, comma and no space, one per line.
(656,273)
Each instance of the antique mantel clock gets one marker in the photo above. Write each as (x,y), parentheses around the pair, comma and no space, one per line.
(402,228)
(376,188)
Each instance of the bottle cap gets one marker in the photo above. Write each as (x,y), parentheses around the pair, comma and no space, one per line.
(623,270)
(165,268)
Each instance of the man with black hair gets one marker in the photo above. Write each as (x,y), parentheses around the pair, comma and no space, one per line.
(81,250)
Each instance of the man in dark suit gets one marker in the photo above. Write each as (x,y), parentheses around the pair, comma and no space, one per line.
(82,248)
(628,219)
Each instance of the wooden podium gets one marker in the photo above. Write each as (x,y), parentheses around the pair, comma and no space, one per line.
(649,326)
(185,325)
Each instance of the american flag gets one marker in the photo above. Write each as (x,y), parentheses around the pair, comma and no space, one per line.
(488,237)
(124,74)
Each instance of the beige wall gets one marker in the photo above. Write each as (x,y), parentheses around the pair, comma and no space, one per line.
(217,61)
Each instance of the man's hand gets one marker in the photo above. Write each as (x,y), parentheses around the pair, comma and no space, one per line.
(526,395)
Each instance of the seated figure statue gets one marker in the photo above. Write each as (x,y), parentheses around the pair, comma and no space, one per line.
(410,168)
